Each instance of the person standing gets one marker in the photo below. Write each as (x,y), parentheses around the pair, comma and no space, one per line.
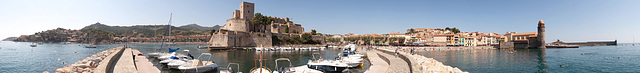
(396,52)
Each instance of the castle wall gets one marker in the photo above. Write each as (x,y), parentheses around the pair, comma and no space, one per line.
(220,39)
(240,39)
(235,25)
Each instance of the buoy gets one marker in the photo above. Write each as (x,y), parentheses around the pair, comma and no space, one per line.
(76,51)
(31,49)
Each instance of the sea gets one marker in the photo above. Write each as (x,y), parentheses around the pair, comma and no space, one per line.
(19,57)
(623,58)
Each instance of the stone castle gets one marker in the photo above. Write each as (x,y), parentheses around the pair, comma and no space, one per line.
(240,32)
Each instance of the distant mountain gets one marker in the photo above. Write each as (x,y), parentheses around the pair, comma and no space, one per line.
(199,28)
(149,30)
(10,39)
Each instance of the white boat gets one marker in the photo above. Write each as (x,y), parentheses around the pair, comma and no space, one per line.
(260,68)
(260,48)
(329,65)
(203,47)
(198,65)
(274,49)
(304,48)
(284,69)
(90,46)
(173,54)
(286,49)
(229,69)
(305,69)
(314,48)
(156,54)
(175,63)
(33,45)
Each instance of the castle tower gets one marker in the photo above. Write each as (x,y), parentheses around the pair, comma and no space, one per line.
(246,10)
(541,42)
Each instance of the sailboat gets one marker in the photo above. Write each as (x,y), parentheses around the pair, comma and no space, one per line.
(91,45)
(160,53)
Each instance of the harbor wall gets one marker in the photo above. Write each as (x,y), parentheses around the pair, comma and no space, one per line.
(594,43)
(98,63)
(506,45)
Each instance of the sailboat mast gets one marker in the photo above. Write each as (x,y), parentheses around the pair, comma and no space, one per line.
(170,17)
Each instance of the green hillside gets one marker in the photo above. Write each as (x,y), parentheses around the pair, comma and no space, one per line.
(148,30)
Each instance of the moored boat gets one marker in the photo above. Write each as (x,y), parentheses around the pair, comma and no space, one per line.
(199,65)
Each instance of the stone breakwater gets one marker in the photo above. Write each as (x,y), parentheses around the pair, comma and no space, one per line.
(89,64)
(424,64)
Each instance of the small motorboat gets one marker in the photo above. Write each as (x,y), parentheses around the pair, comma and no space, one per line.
(203,47)
(175,62)
(33,45)
(284,69)
(260,48)
(229,69)
(286,49)
(329,65)
(173,54)
(199,65)
(90,46)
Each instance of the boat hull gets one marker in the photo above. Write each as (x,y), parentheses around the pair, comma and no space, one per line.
(201,69)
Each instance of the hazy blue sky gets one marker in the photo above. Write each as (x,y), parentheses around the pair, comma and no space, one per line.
(569,20)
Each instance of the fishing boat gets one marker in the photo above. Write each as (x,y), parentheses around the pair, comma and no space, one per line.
(260,68)
(229,69)
(199,65)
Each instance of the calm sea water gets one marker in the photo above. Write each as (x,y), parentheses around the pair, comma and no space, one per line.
(18,57)
(574,60)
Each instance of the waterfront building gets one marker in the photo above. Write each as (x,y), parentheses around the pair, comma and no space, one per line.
(530,40)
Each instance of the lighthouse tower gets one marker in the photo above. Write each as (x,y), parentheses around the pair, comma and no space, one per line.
(541,42)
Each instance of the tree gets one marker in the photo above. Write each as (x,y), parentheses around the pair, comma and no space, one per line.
(286,30)
(261,20)
(313,31)
(411,31)
(211,32)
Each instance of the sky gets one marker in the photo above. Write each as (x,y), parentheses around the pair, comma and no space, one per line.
(567,20)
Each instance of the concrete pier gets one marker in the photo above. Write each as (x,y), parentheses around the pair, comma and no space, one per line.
(116,60)
(125,64)
(383,59)
(377,63)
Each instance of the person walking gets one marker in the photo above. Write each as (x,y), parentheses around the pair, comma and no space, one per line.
(396,52)
(412,50)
